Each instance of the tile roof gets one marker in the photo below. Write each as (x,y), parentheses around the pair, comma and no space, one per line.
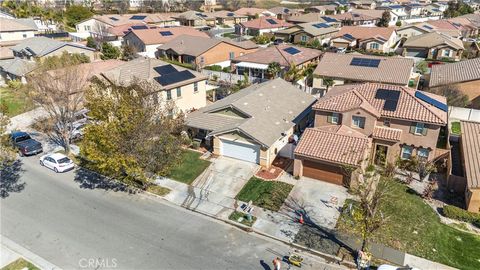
(394,70)
(195,15)
(284,10)
(309,28)
(354,16)
(40,46)
(386,133)
(308,17)
(250,11)
(278,54)
(362,33)
(121,30)
(471,152)
(409,107)
(196,45)
(154,36)
(150,18)
(433,39)
(270,109)
(227,14)
(14,25)
(337,144)
(463,71)
(264,23)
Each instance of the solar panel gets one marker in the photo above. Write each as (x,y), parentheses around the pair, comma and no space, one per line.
(348,36)
(230,14)
(364,62)
(431,101)
(137,17)
(356,15)
(321,25)
(201,15)
(174,77)
(291,50)
(390,96)
(166,33)
(137,27)
(113,19)
(328,19)
(428,27)
(271,21)
(164,70)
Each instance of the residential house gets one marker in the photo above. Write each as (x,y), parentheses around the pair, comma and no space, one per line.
(350,18)
(205,51)
(363,4)
(147,40)
(253,13)
(314,18)
(398,10)
(372,122)
(463,75)
(356,68)
(260,26)
(373,39)
(186,88)
(467,27)
(412,30)
(6,53)
(415,10)
(376,14)
(470,142)
(283,13)
(307,33)
(256,64)
(12,31)
(323,10)
(435,46)
(255,124)
(229,18)
(195,18)
(433,11)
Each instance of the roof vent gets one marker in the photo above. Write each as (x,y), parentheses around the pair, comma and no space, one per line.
(245,103)
(260,94)
(277,123)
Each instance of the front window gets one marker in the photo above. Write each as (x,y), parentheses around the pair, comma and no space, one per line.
(386,122)
(374,46)
(446,53)
(169,94)
(303,38)
(195,87)
(179,92)
(334,118)
(231,55)
(407,152)
(422,153)
(419,128)
(358,121)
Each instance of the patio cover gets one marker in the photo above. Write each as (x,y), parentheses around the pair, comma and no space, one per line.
(252,65)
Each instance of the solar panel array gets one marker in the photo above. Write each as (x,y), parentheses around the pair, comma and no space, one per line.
(321,25)
(291,50)
(201,15)
(113,19)
(271,21)
(164,70)
(348,36)
(137,27)
(166,33)
(174,77)
(365,62)
(428,27)
(137,17)
(431,101)
(328,19)
(390,96)
(230,14)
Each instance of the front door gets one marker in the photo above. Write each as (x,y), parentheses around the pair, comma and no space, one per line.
(381,154)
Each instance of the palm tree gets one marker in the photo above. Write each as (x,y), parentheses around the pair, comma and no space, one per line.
(293,74)
(308,74)
(273,69)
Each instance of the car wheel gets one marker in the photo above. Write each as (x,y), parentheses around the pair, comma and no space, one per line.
(41,163)
(55,169)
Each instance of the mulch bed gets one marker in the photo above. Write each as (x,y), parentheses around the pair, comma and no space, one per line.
(279,165)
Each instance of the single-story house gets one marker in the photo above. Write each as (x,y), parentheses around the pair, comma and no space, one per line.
(463,75)
(195,18)
(205,51)
(256,64)
(412,30)
(363,4)
(284,13)
(254,124)
(147,40)
(261,26)
(435,46)
(308,32)
(314,18)
(230,18)
(470,141)
(323,10)
(373,39)
(253,13)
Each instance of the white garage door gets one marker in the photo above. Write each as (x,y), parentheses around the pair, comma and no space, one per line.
(239,150)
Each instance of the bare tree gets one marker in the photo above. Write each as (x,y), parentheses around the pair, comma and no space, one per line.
(60,93)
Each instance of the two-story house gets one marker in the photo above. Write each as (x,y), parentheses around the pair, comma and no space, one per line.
(435,46)
(373,39)
(372,121)
(13,31)
(308,32)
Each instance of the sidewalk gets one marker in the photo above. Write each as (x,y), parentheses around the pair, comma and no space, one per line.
(11,251)
(26,119)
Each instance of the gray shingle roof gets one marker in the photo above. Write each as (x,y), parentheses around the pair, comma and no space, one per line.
(12,25)
(463,71)
(271,109)
(40,46)
(17,66)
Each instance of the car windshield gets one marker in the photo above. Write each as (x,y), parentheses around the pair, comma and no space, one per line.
(64,160)
(22,138)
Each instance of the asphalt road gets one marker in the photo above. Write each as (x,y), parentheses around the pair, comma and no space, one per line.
(71,226)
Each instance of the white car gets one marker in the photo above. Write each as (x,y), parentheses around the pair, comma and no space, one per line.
(57,162)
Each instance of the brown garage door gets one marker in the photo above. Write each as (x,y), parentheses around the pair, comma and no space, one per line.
(324,172)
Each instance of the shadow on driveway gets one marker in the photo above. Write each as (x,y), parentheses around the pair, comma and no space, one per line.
(10,179)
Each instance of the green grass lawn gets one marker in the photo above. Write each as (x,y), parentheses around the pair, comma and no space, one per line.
(15,101)
(433,240)
(456,129)
(20,264)
(189,167)
(266,194)
(235,216)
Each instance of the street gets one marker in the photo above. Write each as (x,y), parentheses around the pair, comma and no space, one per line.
(78,228)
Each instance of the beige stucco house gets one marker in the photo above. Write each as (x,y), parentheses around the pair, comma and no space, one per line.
(470,141)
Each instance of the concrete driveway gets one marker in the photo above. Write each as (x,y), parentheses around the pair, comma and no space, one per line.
(226,176)
(317,198)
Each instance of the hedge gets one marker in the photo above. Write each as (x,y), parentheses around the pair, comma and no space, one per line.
(461,214)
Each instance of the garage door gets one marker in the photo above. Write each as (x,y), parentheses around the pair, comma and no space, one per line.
(324,172)
(417,53)
(239,150)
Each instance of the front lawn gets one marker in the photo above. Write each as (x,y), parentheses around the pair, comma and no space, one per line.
(15,101)
(266,194)
(20,264)
(242,218)
(415,228)
(189,167)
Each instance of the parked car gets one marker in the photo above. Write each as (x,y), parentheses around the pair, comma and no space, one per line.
(57,162)
(25,144)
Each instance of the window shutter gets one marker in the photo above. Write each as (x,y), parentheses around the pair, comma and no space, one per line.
(425,129)
(412,127)
(329,118)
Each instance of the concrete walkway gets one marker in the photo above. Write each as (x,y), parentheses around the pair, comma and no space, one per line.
(26,119)
(11,251)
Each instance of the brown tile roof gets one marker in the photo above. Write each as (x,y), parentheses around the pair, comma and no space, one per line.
(471,152)
(227,14)
(150,18)
(394,70)
(121,30)
(463,71)
(362,33)
(386,133)
(250,11)
(408,107)
(354,16)
(153,36)
(195,46)
(278,54)
(432,39)
(308,17)
(264,23)
(337,144)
